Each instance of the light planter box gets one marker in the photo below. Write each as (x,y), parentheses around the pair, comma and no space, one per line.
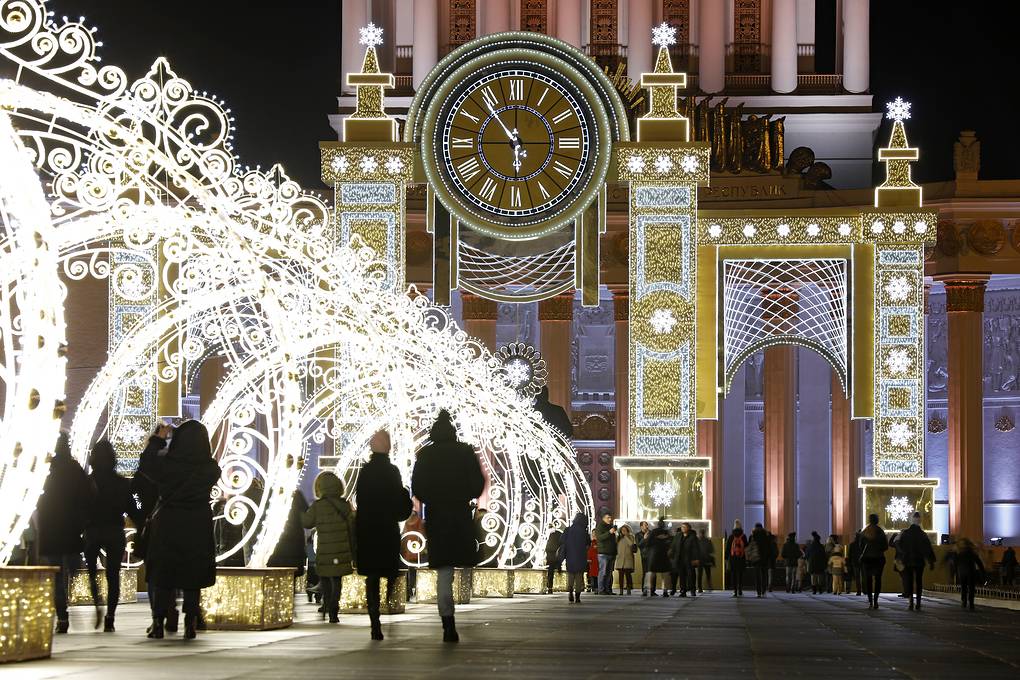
(80,593)
(26,612)
(354,601)
(492,583)
(532,581)
(425,586)
(250,599)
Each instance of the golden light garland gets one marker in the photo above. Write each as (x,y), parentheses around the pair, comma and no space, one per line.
(250,599)
(26,612)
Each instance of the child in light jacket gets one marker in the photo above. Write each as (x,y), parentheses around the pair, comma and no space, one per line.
(837,565)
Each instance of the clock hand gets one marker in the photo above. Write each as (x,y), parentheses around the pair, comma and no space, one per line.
(511,135)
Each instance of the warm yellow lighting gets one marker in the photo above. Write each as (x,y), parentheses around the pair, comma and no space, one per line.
(81,594)
(250,599)
(353,599)
(493,582)
(26,612)
(425,586)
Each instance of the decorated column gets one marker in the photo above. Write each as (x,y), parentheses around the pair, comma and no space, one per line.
(556,321)
(621,312)
(662,475)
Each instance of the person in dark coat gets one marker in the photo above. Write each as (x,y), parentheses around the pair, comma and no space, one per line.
(707,561)
(605,531)
(736,556)
(970,571)
(61,517)
(181,551)
(791,553)
(915,547)
(872,546)
(575,556)
(659,564)
(1008,566)
(686,558)
(643,544)
(758,556)
(853,564)
(446,478)
(105,530)
(332,517)
(553,558)
(290,549)
(817,562)
(553,414)
(383,502)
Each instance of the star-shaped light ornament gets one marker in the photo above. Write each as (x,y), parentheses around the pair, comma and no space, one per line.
(371,35)
(339,164)
(689,163)
(394,165)
(636,164)
(663,321)
(663,35)
(662,494)
(663,164)
(897,109)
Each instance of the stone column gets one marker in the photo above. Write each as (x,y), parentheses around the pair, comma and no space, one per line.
(780,373)
(639,38)
(965,305)
(710,446)
(355,16)
(712,46)
(621,311)
(568,21)
(426,40)
(495,16)
(480,319)
(856,45)
(556,319)
(845,466)
(784,46)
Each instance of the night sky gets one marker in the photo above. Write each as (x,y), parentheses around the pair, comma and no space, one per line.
(277,66)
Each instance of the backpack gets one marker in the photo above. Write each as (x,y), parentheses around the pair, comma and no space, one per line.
(753,554)
(737,546)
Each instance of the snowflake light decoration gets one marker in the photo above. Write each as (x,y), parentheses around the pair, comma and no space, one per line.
(715,230)
(844,229)
(339,164)
(662,494)
(636,164)
(899,509)
(783,230)
(899,434)
(371,35)
(898,288)
(663,164)
(897,110)
(750,230)
(920,227)
(877,227)
(394,165)
(525,369)
(899,226)
(898,362)
(813,230)
(663,35)
(663,321)
(369,164)
(689,163)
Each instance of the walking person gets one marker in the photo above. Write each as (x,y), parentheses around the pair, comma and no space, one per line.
(707,561)
(757,557)
(575,555)
(817,563)
(916,550)
(791,553)
(836,566)
(446,479)
(61,517)
(553,557)
(605,532)
(873,544)
(854,563)
(643,542)
(969,570)
(626,546)
(592,557)
(736,546)
(1008,566)
(658,558)
(291,549)
(332,518)
(686,559)
(383,503)
(105,529)
(181,551)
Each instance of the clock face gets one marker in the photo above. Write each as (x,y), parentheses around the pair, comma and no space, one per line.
(516,145)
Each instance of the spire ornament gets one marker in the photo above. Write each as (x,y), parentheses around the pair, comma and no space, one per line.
(898,190)
(369,122)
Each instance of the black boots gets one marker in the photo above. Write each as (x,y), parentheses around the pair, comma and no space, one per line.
(155,631)
(108,625)
(172,619)
(190,624)
(449,630)
(570,596)
(373,616)
(63,625)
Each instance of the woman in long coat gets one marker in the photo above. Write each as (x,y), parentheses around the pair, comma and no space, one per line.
(383,503)
(446,478)
(333,520)
(575,552)
(658,557)
(181,550)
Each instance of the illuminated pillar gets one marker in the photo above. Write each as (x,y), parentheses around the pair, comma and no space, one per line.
(780,439)
(712,46)
(354,17)
(556,320)
(480,319)
(855,45)
(965,304)
(709,438)
(621,310)
(568,21)
(845,465)
(426,40)
(639,29)
(495,16)
(784,46)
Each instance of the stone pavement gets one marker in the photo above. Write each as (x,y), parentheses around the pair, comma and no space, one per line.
(543,636)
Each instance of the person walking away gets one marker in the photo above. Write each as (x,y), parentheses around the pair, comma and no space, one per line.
(853,565)
(576,541)
(592,556)
(790,554)
(817,563)
(686,559)
(61,517)
(290,550)
(757,556)
(916,549)
(606,534)
(736,547)
(181,551)
(836,566)
(898,567)
(644,532)
(707,561)
(1008,566)
(446,479)
(659,563)
(335,539)
(383,503)
(105,530)
(626,546)
(553,558)
(803,576)
(873,544)
(969,570)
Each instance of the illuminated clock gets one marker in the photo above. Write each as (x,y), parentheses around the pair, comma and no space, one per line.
(516,147)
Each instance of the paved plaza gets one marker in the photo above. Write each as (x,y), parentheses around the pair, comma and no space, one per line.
(543,636)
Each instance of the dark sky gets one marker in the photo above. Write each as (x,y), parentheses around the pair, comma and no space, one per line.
(277,64)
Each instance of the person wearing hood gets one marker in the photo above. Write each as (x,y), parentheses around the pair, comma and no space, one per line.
(659,566)
(873,544)
(553,414)
(791,553)
(332,518)
(181,551)
(575,556)
(447,477)
(736,550)
(916,550)
(383,503)
(105,529)
(61,517)
(817,563)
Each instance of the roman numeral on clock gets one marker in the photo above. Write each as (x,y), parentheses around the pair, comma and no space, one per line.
(569,142)
(469,168)
(542,190)
(465,113)
(562,169)
(560,117)
(462,143)
(515,197)
(488,189)
(489,97)
(516,89)
(544,93)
